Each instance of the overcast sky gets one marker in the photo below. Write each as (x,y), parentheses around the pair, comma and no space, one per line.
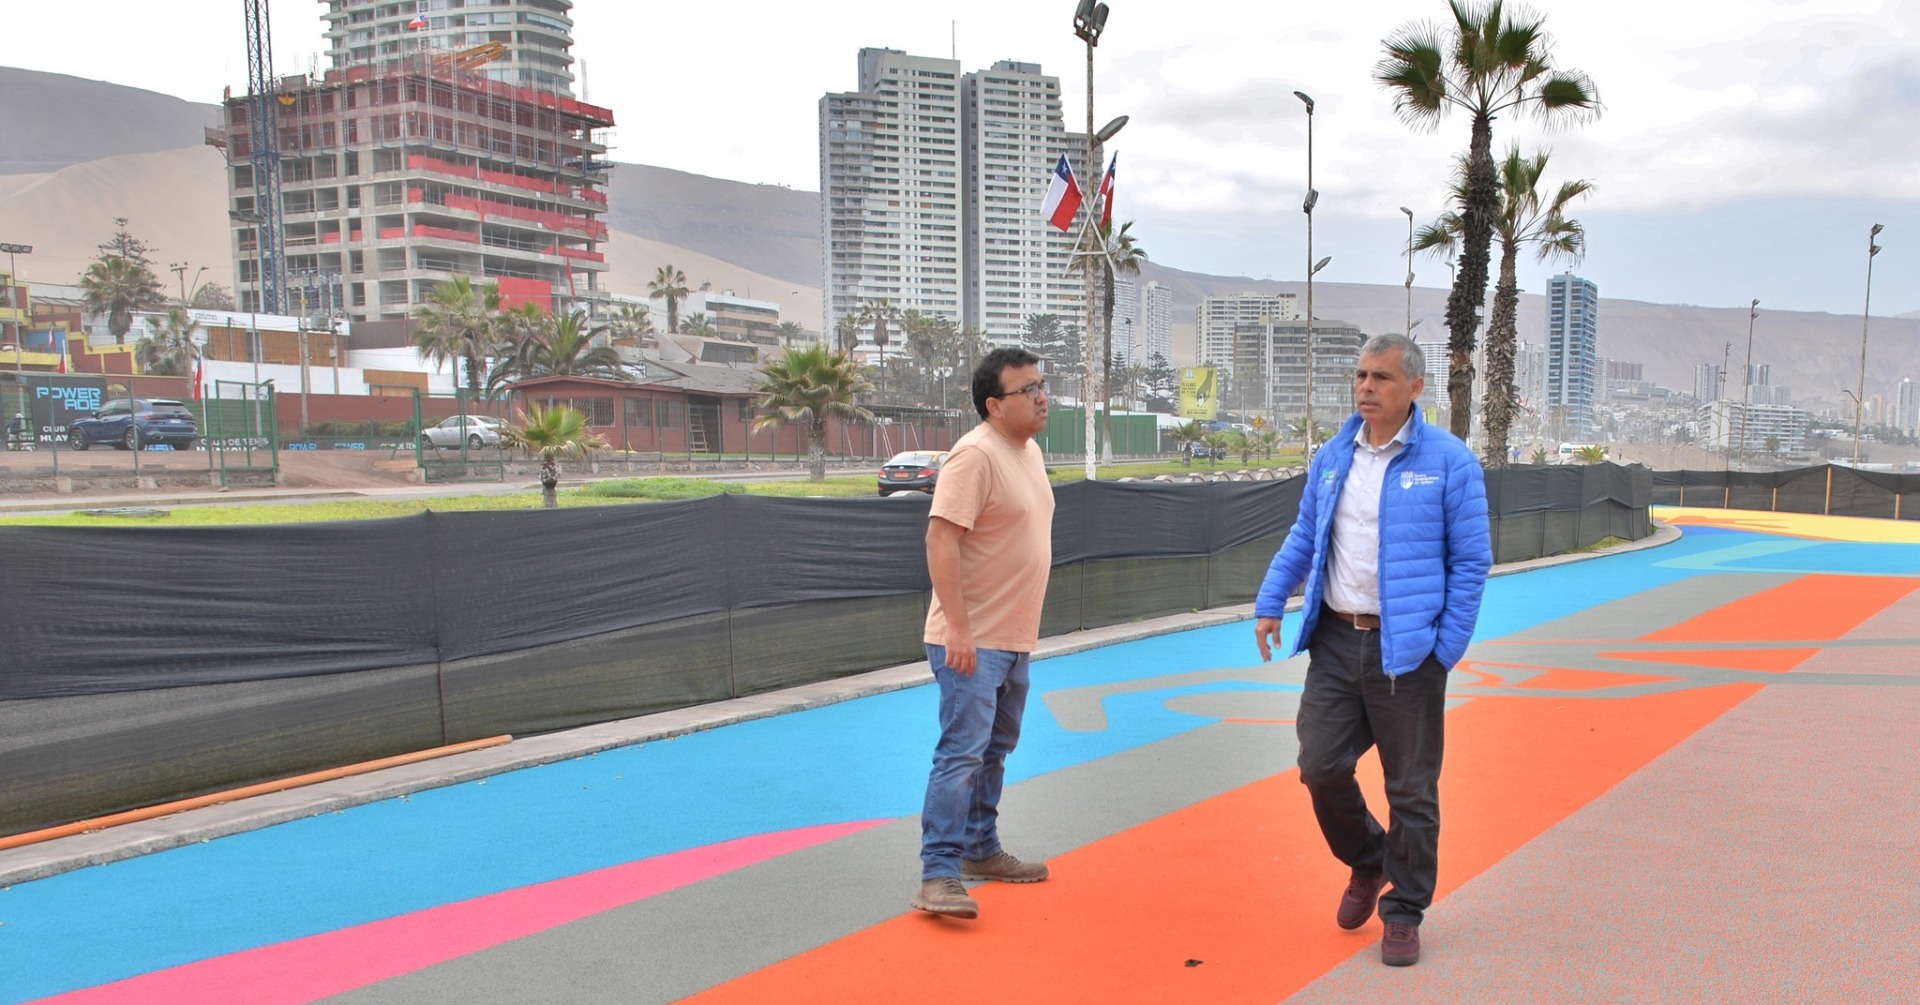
(1743,152)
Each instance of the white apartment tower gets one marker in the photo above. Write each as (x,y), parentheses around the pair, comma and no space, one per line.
(891,179)
(1142,320)
(1015,263)
(528,41)
(1217,319)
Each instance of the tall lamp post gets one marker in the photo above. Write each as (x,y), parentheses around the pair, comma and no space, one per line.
(1089,20)
(1860,394)
(1409,328)
(1306,207)
(1746,392)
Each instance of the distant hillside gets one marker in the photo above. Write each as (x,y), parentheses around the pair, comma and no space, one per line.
(766,228)
(50,120)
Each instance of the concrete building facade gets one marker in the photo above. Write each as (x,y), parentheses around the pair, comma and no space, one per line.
(1219,321)
(1272,362)
(891,181)
(1016,263)
(1144,313)
(534,38)
(401,173)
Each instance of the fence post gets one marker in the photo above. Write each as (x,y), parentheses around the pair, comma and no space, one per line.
(1827,509)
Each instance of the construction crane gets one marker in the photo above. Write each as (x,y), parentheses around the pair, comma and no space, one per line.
(467,59)
(263,128)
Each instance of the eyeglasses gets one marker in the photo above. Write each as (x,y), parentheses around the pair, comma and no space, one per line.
(1033,391)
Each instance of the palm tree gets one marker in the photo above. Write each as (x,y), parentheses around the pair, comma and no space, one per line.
(170,350)
(1592,453)
(698,324)
(457,322)
(846,333)
(549,434)
(1109,252)
(670,283)
(117,287)
(562,346)
(880,313)
(1488,62)
(790,332)
(630,321)
(805,385)
(1525,218)
(1186,435)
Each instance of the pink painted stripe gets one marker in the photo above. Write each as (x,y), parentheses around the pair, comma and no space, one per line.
(330,963)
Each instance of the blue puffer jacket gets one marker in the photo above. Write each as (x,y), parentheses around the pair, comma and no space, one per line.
(1434,546)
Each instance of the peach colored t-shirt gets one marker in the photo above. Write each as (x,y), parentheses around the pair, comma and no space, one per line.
(1000,494)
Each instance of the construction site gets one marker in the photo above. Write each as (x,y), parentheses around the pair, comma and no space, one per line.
(355,192)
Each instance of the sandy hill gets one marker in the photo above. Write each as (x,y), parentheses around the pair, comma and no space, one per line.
(51,120)
(83,152)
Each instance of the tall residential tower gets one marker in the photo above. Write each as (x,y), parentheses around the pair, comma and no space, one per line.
(1573,357)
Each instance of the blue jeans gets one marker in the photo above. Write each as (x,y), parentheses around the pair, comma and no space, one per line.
(979,725)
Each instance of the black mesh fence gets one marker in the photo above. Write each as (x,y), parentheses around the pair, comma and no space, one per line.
(147,664)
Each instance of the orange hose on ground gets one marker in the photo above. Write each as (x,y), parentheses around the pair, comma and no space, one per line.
(261,789)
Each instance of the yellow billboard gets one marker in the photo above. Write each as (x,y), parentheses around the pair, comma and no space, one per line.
(1199,397)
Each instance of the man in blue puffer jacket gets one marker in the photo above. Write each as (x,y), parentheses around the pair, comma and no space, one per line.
(1392,543)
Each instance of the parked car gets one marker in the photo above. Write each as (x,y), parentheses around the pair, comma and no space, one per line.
(477,430)
(135,424)
(912,471)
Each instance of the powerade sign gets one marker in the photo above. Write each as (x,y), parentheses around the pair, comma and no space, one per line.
(50,401)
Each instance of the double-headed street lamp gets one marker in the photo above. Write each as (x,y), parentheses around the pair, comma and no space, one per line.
(1089,20)
(1313,197)
(1409,329)
(1746,392)
(1860,394)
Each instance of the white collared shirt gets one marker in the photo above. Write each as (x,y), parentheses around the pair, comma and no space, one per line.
(1353,566)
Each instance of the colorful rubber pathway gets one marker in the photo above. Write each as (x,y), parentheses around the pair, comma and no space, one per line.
(1677,774)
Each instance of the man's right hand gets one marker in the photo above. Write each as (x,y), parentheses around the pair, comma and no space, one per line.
(1266,632)
(962,657)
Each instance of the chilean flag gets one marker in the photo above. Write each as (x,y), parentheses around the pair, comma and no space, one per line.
(1106,193)
(1063,196)
(418,23)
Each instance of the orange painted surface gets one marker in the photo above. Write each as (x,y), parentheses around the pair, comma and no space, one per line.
(1563,679)
(1241,882)
(1763,660)
(1811,607)
(1232,899)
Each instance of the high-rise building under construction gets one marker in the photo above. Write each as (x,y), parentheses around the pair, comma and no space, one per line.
(440,143)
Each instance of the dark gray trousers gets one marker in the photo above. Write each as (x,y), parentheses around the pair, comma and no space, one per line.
(1348,706)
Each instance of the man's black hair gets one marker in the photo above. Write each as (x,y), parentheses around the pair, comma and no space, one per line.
(986,376)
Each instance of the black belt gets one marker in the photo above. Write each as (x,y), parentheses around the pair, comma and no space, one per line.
(1363,622)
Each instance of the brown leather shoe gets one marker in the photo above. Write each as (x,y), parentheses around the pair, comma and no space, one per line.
(1356,905)
(946,897)
(1005,868)
(1400,947)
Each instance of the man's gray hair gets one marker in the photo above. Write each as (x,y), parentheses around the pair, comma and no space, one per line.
(1412,360)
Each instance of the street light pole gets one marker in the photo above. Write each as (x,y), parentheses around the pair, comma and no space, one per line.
(1089,20)
(1860,394)
(1307,208)
(1409,328)
(1746,393)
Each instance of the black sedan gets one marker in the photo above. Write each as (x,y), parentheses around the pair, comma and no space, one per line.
(912,471)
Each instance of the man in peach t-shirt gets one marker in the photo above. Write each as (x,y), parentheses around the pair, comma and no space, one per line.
(989,550)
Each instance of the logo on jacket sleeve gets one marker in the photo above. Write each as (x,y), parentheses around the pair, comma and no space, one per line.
(1409,479)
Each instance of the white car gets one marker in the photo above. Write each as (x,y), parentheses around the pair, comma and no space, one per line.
(477,431)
